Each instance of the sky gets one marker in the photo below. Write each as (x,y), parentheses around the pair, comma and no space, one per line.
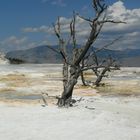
(28,23)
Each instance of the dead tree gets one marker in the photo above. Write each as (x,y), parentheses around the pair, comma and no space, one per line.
(108,64)
(72,68)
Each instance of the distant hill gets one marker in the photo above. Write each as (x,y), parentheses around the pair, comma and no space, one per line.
(127,57)
(131,61)
(42,54)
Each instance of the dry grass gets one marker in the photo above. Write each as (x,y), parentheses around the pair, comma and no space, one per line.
(120,89)
(16,102)
(81,90)
(88,73)
(12,82)
(8,89)
(10,77)
(15,80)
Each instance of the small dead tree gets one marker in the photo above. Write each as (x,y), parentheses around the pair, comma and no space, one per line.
(72,68)
(108,66)
(100,66)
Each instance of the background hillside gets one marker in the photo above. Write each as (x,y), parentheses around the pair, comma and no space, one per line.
(42,54)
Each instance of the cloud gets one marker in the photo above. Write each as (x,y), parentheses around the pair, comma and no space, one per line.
(82,29)
(43,29)
(129,31)
(44,1)
(60,3)
(13,40)
(20,43)
(117,12)
(15,43)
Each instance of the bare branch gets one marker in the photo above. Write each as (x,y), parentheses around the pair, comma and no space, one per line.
(96,28)
(63,54)
(59,51)
(91,67)
(86,19)
(73,30)
(110,21)
(55,50)
(57,31)
(107,45)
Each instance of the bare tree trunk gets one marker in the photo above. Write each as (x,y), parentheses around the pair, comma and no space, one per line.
(82,74)
(83,79)
(66,96)
(65,74)
(100,76)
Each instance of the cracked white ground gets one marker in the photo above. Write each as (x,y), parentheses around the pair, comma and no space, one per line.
(98,116)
